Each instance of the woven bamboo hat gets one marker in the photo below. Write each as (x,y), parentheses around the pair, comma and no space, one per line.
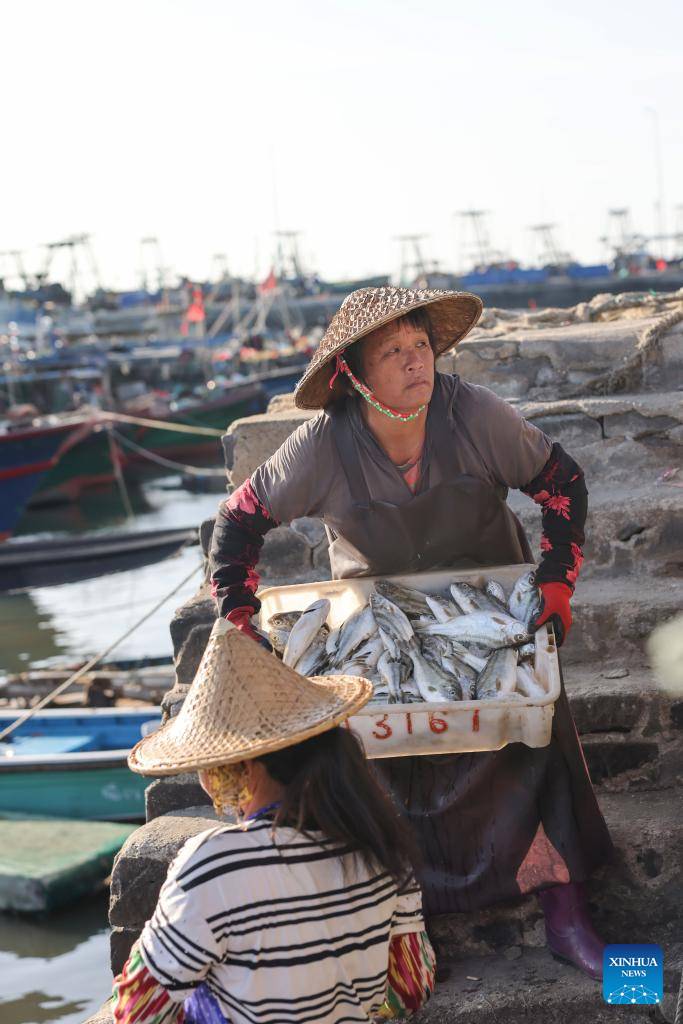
(452,316)
(242,704)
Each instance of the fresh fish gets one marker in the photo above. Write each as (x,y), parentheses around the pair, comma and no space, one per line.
(442,611)
(481,601)
(331,642)
(528,685)
(525,601)
(389,671)
(278,639)
(304,630)
(284,620)
(314,659)
(499,677)
(390,644)
(527,651)
(391,619)
(412,602)
(355,631)
(433,685)
(369,653)
(482,628)
(280,626)
(476,662)
(409,691)
(495,590)
(462,598)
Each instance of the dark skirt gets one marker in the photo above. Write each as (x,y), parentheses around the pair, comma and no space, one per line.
(495,825)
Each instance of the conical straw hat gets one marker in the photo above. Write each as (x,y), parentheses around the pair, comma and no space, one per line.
(452,316)
(242,704)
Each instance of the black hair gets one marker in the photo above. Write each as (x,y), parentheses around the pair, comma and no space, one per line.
(329,788)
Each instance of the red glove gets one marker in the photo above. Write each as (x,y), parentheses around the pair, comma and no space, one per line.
(241,618)
(555,598)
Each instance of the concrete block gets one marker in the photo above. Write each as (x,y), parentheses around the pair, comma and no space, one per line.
(174,793)
(205,535)
(190,628)
(255,438)
(285,557)
(312,531)
(571,430)
(634,424)
(608,618)
(532,988)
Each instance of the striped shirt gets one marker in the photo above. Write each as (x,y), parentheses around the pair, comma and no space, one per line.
(284,928)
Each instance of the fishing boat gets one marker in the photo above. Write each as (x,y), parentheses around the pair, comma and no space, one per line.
(47,563)
(100,687)
(27,455)
(74,764)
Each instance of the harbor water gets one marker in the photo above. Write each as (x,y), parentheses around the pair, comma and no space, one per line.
(56,969)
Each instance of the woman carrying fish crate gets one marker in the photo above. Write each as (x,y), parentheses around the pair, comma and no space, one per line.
(409,470)
(306,909)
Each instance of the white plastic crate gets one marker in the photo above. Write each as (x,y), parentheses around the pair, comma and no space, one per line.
(391,730)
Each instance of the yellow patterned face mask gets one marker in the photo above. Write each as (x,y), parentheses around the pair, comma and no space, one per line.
(227,786)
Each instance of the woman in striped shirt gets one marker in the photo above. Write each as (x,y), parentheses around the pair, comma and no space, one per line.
(306,910)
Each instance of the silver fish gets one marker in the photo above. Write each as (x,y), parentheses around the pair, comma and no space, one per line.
(462,598)
(390,644)
(389,672)
(286,620)
(305,630)
(525,601)
(433,685)
(314,659)
(481,628)
(476,662)
(441,610)
(355,631)
(482,602)
(409,691)
(499,677)
(495,590)
(332,641)
(527,651)
(368,654)
(528,685)
(278,639)
(412,602)
(279,627)
(391,619)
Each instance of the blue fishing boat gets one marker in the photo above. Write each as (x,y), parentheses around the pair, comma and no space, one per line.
(73,764)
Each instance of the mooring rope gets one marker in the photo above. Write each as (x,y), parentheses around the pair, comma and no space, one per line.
(182,428)
(93,661)
(160,460)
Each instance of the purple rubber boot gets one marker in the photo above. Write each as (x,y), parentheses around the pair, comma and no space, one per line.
(569,930)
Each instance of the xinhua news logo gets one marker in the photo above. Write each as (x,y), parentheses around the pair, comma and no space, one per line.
(633,973)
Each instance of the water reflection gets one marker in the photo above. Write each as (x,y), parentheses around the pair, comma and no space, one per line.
(55,969)
(27,633)
(79,619)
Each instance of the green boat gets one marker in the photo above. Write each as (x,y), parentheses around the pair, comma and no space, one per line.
(73,764)
(88,464)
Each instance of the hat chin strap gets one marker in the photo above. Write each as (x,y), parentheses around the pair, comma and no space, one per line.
(370,397)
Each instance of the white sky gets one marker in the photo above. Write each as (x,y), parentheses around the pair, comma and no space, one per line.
(209,123)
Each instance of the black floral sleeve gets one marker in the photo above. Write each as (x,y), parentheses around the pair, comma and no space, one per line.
(241,524)
(560,490)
